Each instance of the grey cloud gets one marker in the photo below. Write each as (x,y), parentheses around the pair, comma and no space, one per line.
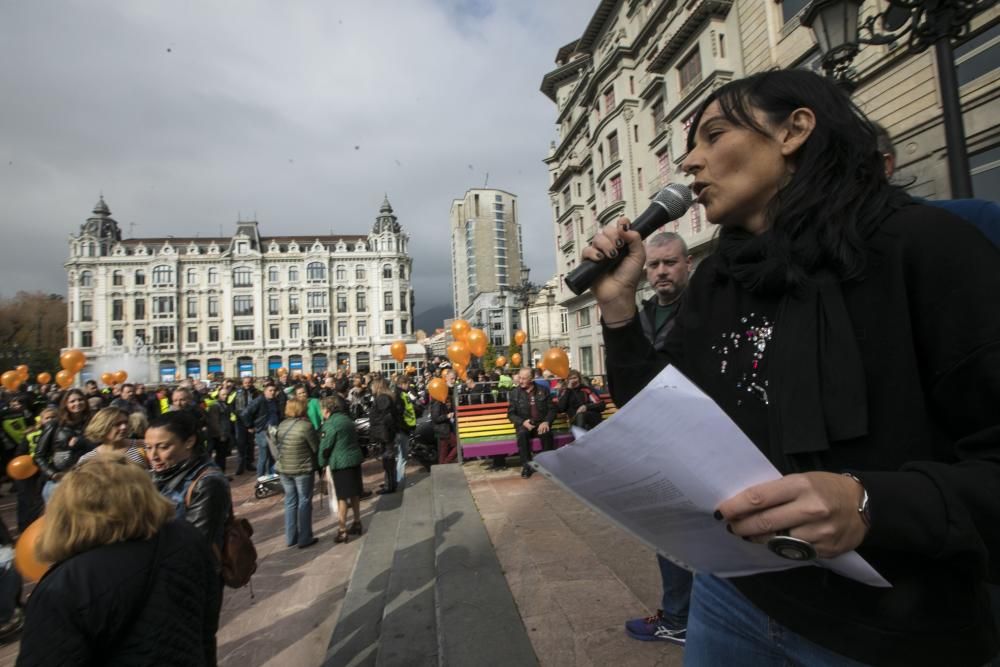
(260,110)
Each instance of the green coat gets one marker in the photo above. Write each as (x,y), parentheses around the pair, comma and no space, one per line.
(315,414)
(338,447)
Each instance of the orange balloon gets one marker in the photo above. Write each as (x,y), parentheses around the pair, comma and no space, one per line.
(556,362)
(73,360)
(458,353)
(458,368)
(108,378)
(500,362)
(120,376)
(64,378)
(10,380)
(25,560)
(44,378)
(459,329)
(477,342)
(398,350)
(438,389)
(22,372)
(515,359)
(520,337)
(21,467)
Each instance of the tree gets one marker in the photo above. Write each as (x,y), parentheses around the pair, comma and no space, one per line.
(32,331)
(489,359)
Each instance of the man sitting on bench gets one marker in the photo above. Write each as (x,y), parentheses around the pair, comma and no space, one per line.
(531,410)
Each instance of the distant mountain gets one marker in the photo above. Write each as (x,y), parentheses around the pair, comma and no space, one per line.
(432,318)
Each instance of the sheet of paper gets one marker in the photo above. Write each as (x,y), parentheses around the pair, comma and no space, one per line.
(660,467)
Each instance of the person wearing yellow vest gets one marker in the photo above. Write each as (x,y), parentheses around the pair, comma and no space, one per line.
(408,417)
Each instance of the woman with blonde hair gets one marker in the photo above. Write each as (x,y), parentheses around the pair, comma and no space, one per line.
(109,430)
(144,579)
(297,444)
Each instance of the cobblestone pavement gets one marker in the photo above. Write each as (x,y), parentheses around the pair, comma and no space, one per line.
(575,577)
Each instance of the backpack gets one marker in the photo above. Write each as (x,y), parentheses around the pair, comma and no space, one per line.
(238,556)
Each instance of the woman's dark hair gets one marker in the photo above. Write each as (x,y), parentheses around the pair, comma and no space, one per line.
(838,188)
(180,424)
(81,418)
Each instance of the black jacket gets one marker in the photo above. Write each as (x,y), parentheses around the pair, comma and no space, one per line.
(519,405)
(440,419)
(383,420)
(647,317)
(570,401)
(258,414)
(93,609)
(54,453)
(929,339)
(211,502)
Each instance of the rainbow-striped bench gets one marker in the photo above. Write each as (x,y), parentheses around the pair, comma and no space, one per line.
(484,430)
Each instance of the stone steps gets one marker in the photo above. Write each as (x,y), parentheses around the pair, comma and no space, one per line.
(428,588)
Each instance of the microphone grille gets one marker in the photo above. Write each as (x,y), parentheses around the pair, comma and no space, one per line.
(676,198)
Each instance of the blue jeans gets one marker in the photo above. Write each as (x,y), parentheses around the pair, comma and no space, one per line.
(48,489)
(298,509)
(725,628)
(265,465)
(402,442)
(676,592)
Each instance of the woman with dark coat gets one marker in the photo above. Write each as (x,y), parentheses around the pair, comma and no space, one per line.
(384,423)
(442,417)
(851,333)
(131,585)
(340,456)
(297,444)
(580,403)
(62,442)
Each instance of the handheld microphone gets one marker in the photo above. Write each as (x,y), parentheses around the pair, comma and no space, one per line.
(669,204)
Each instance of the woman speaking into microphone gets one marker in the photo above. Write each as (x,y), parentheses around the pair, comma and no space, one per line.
(852,334)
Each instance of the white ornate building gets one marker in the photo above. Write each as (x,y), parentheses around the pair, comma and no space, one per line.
(172,308)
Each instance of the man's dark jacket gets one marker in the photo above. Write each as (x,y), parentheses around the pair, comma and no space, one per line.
(519,406)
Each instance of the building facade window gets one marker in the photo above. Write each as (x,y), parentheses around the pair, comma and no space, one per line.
(342,329)
(293,274)
(587,360)
(117,279)
(388,327)
(272,274)
(213,276)
(402,301)
(613,147)
(192,334)
(319,329)
(341,302)
(361,302)
(163,275)
(583,317)
(243,333)
(315,272)
(213,306)
(791,8)
(164,336)
(359,272)
(140,277)
(242,304)
(293,304)
(86,311)
(402,326)
(689,70)
(117,310)
(213,334)
(616,189)
(140,309)
(191,277)
(192,306)
(293,330)
(316,302)
(86,339)
(86,279)
(387,300)
(387,271)
(362,327)
(163,307)
(242,277)
(274,331)
(273,304)
(341,273)
(609,99)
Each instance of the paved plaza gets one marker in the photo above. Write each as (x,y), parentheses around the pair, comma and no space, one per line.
(574,577)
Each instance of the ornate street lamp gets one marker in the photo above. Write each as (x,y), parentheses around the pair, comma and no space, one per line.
(524,291)
(923,23)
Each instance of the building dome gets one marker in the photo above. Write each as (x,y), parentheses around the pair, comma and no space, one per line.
(386,221)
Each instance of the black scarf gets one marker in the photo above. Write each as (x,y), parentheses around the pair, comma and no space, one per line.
(817,393)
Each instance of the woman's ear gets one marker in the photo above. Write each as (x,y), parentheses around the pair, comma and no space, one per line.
(190,442)
(796,130)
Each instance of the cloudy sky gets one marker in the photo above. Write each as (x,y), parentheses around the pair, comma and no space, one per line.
(188,114)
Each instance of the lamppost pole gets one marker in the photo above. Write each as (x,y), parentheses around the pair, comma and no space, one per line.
(835,25)
(523,292)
